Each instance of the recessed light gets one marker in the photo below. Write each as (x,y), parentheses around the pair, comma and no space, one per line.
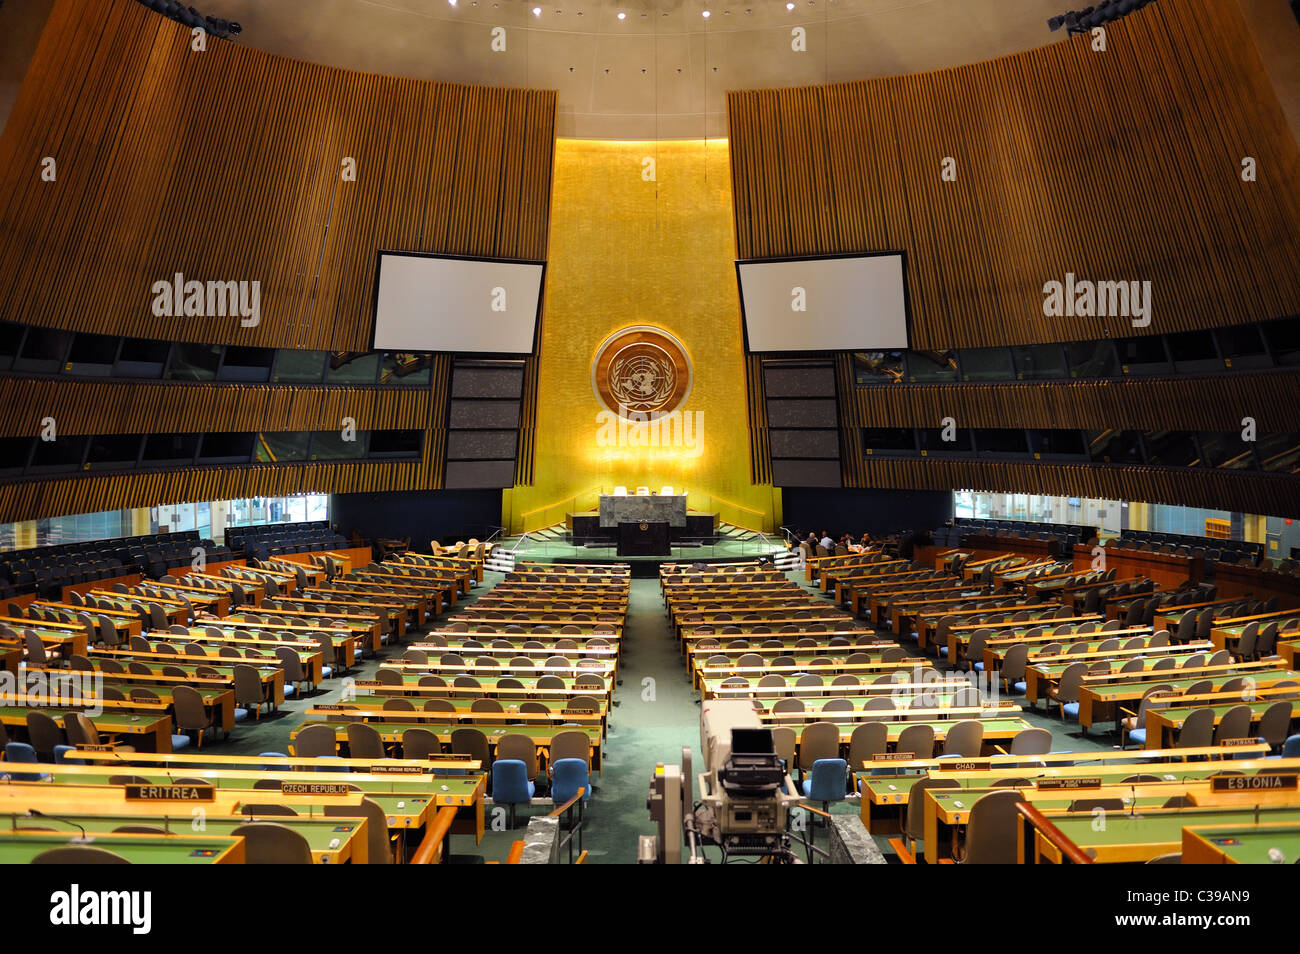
(789,6)
(622,15)
(537,11)
(705,14)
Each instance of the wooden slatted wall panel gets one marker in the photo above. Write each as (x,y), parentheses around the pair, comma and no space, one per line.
(33,499)
(1114,166)
(226,165)
(120,407)
(760,457)
(1203,403)
(1244,491)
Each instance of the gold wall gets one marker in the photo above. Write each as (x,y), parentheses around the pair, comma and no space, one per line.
(626,251)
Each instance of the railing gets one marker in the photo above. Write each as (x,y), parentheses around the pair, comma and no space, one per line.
(551,514)
(1069,850)
(575,825)
(431,848)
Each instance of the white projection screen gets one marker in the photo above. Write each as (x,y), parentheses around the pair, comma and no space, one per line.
(852,303)
(441,303)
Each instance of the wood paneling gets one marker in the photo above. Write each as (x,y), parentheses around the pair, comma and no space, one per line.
(31,499)
(1244,491)
(1186,403)
(226,165)
(760,459)
(1115,165)
(122,407)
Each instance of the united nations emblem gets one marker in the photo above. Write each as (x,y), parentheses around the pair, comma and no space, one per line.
(641,369)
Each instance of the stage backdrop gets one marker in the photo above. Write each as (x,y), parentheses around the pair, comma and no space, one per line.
(641,306)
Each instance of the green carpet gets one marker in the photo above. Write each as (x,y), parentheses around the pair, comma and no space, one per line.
(656,713)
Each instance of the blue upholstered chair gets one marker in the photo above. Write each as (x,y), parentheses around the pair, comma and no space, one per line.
(827,781)
(567,776)
(20,753)
(511,784)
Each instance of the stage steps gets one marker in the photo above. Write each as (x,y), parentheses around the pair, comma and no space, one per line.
(502,557)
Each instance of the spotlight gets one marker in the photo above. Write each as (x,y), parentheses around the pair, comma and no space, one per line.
(705,14)
(537,11)
(622,15)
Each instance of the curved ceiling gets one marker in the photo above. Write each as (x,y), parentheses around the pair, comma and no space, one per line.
(659,73)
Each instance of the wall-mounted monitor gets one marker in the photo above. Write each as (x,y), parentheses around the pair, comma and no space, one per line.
(830,303)
(427,302)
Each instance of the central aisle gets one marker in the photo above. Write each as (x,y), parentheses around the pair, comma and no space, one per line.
(654,716)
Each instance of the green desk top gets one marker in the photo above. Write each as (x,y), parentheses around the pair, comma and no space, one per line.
(1094,644)
(1176,714)
(1237,628)
(463,703)
(997,728)
(412,679)
(392,731)
(1135,690)
(190,664)
(961,800)
(47,632)
(1160,827)
(458,647)
(138,849)
(933,699)
(108,722)
(808,653)
(304,654)
(240,621)
(319,830)
(1250,846)
(882,786)
(408,787)
(1055,669)
(261,634)
(1044,619)
(837,655)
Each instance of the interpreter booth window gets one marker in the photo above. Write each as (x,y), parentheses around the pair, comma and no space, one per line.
(877,367)
(194,362)
(1042,362)
(928,367)
(986,364)
(141,358)
(299,367)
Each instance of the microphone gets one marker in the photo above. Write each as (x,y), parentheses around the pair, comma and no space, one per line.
(35,813)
